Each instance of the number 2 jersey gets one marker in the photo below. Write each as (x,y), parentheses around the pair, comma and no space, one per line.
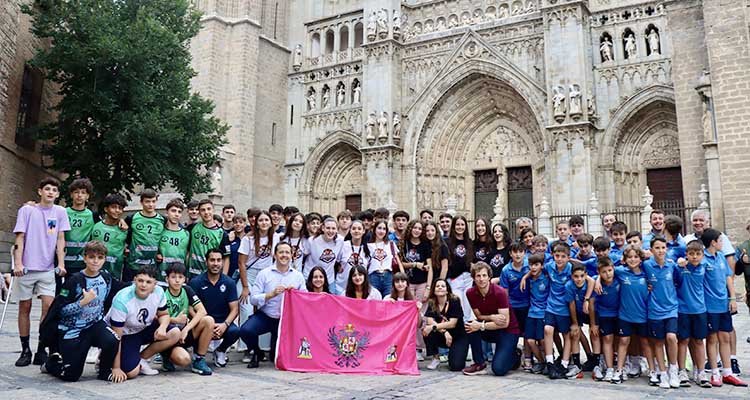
(145,233)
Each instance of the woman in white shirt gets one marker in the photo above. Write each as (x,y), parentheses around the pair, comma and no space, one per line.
(325,250)
(354,252)
(358,285)
(383,254)
(296,236)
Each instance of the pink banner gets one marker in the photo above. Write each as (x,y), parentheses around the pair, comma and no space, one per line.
(336,334)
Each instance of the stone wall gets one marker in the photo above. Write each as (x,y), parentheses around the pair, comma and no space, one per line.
(726,27)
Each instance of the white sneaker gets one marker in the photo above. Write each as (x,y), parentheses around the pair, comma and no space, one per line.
(434,364)
(634,370)
(220,359)
(643,363)
(146,369)
(609,375)
(664,381)
(92,355)
(597,373)
(684,379)
(674,378)
(212,345)
(653,378)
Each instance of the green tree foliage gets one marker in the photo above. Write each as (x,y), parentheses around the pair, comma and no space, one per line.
(126,114)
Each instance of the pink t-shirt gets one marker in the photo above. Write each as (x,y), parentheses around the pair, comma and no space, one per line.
(40,226)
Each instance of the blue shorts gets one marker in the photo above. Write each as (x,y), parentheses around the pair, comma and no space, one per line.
(583,318)
(559,322)
(521,313)
(130,346)
(659,328)
(720,322)
(534,329)
(607,325)
(692,326)
(627,328)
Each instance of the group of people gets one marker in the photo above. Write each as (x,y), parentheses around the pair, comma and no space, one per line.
(209,281)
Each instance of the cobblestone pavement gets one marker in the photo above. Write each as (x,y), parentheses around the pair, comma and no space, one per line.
(236,381)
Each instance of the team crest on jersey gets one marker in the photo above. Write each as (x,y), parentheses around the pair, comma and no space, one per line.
(143,315)
(481,253)
(297,252)
(461,251)
(222,288)
(328,256)
(379,255)
(348,345)
(265,251)
(496,261)
(353,260)
(412,255)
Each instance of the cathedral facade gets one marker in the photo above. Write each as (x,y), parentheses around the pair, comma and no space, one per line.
(488,107)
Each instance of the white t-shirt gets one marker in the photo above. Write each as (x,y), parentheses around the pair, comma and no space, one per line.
(261,261)
(351,256)
(381,256)
(324,254)
(300,250)
(134,314)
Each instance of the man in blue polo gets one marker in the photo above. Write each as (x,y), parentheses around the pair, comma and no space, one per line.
(218,294)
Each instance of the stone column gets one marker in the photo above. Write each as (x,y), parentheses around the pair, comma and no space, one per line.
(711,152)
(381,83)
(569,76)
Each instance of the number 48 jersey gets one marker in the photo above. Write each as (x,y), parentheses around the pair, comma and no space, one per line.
(173,247)
(114,238)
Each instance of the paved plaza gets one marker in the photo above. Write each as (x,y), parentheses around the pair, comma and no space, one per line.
(236,381)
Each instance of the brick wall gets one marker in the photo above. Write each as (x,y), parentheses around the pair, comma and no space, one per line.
(726,29)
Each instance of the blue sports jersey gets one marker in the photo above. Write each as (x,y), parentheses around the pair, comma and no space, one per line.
(676,249)
(577,294)
(607,303)
(615,254)
(510,279)
(715,282)
(633,295)
(590,262)
(662,302)
(74,318)
(557,302)
(690,291)
(539,290)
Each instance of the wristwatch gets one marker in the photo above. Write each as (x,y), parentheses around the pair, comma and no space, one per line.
(434,328)
(481,328)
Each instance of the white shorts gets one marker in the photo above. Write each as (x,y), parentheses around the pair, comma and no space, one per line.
(39,283)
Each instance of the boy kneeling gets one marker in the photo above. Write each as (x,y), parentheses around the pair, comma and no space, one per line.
(186,312)
(139,316)
(80,308)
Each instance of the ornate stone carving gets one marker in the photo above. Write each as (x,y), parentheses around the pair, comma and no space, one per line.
(372,27)
(631,50)
(591,105)
(383,23)
(558,103)
(575,102)
(663,151)
(216,180)
(396,128)
(370,128)
(654,45)
(396,24)
(628,15)
(356,92)
(297,59)
(498,145)
(311,102)
(383,127)
(341,94)
(606,49)
(326,97)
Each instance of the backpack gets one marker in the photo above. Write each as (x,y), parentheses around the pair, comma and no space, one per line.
(49,334)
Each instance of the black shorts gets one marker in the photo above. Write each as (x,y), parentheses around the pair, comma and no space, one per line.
(521,315)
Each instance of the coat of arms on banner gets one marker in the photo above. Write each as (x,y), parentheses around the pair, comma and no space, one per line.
(348,345)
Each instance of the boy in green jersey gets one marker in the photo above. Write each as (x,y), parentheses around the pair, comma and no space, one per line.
(146,227)
(81,222)
(205,236)
(110,232)
(173,246)
(196,331)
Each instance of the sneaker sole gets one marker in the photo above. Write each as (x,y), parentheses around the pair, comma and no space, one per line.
(482,372)
(200,372)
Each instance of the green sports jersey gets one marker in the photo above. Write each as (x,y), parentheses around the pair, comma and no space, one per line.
(173,247)
(202,240)
(145,233)
(81,223)
(114,238)
(180,304)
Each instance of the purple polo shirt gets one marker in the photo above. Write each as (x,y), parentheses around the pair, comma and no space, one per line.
(40,227)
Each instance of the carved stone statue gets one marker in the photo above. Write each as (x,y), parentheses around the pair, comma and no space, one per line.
(558,102)
(502,12)
(452,21)
(326,98)
(396,128)
(372,27)
(216,180)
(311,102)
(591,105)
(440,25)
(341,96)
(575,100)
(383,23)
(297,59)
(478,17)
(653,42)
(530,7)
(357,93)
(517,9)
(606,49)
(396,24)
(383,127)
(630,48)
(370,128)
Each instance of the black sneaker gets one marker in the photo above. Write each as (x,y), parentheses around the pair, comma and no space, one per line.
(589,365)
(40,357)
(736,367)
(557,371)
(52,365)
(254,363)
(24,359)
